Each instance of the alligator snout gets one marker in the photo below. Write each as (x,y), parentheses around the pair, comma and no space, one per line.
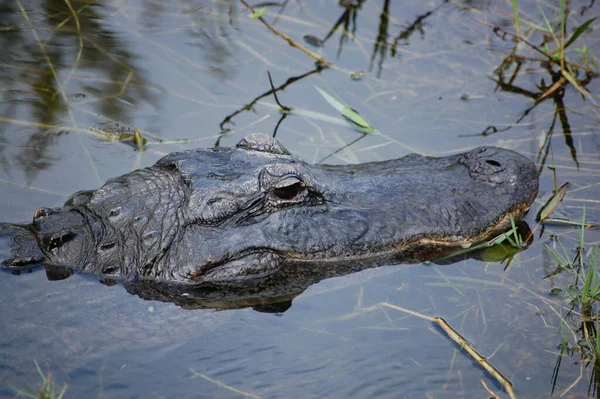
(513,176)
(499,166)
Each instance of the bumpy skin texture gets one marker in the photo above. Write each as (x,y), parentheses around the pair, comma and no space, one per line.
(254,212)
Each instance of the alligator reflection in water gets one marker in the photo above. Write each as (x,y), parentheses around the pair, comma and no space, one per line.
(273,297)
(254,222)
(277,295)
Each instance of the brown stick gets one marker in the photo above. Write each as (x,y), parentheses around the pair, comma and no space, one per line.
(460,341)
(320,60)
(483,362)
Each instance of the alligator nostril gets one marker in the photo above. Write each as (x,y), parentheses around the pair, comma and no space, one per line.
(107,246)
(492,162)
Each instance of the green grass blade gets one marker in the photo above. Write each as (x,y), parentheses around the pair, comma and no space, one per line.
(593,263)
(534,26)
(515,11)
(563,263)
(334,102)
(20,392)
(515,234)
(590,279)
(499,240)
(549,27)
(597,339)
(582,231)
(320,117)
(511,241)
(40,372)
(579,31)
(345,110)
(563,17)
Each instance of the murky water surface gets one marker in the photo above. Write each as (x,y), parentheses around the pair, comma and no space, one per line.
(74,75)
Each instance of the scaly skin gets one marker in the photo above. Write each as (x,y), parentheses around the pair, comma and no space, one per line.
(254,213)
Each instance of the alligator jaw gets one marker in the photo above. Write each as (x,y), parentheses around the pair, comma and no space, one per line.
(420,248)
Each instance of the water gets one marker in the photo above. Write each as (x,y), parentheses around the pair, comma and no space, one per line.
(177,71)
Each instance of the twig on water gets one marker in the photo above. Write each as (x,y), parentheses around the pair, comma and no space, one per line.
(463,344)
(320,60)
(251,104)
(283,107)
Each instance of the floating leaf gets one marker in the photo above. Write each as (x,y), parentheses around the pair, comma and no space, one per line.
(550,206)
(556,291)
(258,14)
(346,111)
(579,31)
(322,117)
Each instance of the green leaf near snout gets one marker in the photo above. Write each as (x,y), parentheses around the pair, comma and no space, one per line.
(347,112)
(550,206)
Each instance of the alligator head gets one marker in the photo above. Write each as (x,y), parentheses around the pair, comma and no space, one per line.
(254,213)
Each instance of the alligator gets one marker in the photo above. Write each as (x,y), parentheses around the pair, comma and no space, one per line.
(252,214)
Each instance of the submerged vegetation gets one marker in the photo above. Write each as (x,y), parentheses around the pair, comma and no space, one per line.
(47,390)
(569,61)
(554,34)
(580,293)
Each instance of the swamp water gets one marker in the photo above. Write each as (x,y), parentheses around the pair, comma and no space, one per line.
(78,76)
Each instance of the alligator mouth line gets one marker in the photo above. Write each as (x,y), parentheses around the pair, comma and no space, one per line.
(515,214)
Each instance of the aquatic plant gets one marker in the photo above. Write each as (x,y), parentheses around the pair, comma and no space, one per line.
(47,390)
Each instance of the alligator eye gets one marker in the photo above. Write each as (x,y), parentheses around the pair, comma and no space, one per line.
(287,193)
(492,162)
